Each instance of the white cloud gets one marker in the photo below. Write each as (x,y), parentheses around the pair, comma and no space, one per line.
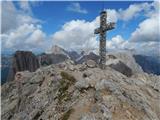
(134,10)
(146,38)
(112,15)
(131,12)
(25,6)
(24,37)
(156,11)
(148,48)
(13,18)
(115,43)
(148,30)
(75,7)
(77,34)
(19,29)
(25,32)
(8,13)
(37,38)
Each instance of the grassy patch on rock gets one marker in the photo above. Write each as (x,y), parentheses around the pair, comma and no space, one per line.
(66,81)
(67,114)
(68,77)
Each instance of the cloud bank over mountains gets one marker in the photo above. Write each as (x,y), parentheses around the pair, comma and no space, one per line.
(25,31)
(145,38)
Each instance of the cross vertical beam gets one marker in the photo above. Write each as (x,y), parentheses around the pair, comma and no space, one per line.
(104,27)
(102,45)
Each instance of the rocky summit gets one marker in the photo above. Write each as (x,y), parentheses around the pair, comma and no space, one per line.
(68,91)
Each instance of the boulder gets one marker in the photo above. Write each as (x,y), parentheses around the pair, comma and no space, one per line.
(82,84)
(91,63)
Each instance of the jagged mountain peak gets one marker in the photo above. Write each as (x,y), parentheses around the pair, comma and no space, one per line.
(58,50)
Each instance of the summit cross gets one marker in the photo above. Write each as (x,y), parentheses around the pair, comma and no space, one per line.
(104,27)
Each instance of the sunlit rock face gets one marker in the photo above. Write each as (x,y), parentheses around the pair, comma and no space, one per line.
(127,58)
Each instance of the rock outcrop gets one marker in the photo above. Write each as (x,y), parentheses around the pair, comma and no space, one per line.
(67,91)
(58,50)
(127,58)
(57,55)
(90,56)
(21,61)
(119,66)
(48,59)
(73,55)
(91,63)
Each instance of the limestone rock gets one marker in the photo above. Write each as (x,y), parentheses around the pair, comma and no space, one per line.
(84,57)
(91,63)
(59,93)
(119,66)
(48,59)
(82,84)
(87,117)
(127,57)
(21,61)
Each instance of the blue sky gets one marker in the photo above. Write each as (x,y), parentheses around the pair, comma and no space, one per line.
(44,24)
(55,14)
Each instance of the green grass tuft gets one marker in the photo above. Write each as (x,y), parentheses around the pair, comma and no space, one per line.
(67,114)
(67,76)
(66,81)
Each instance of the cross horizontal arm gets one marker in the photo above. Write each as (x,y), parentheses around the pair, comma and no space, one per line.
(97,31)
(110,26)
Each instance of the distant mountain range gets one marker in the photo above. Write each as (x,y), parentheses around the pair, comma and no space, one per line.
(6,60)
(57,55)
(149,64)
